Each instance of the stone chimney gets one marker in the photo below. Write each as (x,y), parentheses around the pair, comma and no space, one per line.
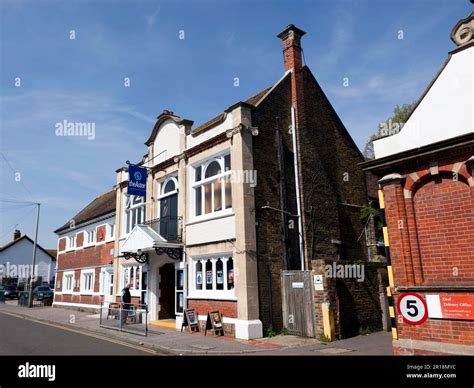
(292,58)
(16,234)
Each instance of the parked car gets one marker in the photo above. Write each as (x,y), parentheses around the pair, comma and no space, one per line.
(42,292)
(10,291)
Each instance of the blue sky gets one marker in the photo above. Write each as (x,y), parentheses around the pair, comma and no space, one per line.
(82,80)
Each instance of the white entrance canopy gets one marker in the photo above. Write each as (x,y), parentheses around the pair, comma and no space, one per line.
(144,238)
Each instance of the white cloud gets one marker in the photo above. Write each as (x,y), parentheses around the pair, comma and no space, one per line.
(151,18)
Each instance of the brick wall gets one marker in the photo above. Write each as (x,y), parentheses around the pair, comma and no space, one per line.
(355,305)
(274,112)
(430,219)
(86,257)
(203,306)
(331,177)
(93,256)
(328,155)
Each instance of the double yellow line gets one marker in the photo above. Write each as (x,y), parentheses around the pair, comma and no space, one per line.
(118,342)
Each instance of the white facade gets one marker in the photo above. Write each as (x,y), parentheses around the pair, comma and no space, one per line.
(19,256)
(214,265)
(446,111)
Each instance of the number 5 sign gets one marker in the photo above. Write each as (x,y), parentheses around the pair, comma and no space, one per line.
(413,308)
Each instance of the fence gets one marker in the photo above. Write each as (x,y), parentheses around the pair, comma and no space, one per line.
(36,302)
(133,319)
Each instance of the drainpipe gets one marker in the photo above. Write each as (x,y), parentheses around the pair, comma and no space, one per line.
(283,195)
(297,187)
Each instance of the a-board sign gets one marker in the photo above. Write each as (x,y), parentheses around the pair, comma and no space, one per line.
(190,319)
(214,323)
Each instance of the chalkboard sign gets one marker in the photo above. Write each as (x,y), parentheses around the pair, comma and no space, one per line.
(215,323)
(190,319)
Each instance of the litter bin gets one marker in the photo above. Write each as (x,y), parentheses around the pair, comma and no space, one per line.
(23,298)
(2,296)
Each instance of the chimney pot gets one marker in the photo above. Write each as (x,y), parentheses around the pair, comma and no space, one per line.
(291,37)
(16,234)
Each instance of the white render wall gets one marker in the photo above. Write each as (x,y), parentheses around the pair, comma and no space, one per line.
(192,141)
(166,144)
(210,230)
(445,112)
(21,253)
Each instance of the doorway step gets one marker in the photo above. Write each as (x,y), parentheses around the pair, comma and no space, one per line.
(168,323)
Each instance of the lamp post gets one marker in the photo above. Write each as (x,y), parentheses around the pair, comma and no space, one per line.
(32,272)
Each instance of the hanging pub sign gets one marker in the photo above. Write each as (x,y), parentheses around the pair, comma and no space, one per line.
(214,323)
(136,181)
(190,319)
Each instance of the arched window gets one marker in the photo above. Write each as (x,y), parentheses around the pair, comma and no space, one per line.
(209,275)
(213,277)
(168,187)
(199,275)
(212,186)
(214,168)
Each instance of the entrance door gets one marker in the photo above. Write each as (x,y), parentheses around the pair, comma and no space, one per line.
(169,217)
(109,286)
(167,292)
(297,296)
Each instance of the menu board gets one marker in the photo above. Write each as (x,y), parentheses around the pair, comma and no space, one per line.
(190,320)
(215,323)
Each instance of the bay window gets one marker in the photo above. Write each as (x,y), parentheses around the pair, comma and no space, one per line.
(211,186)
(213,275)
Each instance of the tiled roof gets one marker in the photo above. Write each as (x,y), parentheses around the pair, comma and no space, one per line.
(25,237)
(221,117)
(102,205)
(53,253)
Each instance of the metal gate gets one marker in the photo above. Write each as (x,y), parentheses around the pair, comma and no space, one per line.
(298,305)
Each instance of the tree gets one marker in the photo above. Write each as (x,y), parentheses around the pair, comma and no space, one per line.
(390,127)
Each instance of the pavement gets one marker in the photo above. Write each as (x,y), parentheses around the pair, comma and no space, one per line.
(165,341)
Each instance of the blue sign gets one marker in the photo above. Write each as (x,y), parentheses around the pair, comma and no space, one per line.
(136,181)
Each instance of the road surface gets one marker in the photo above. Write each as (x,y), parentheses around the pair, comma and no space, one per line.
(25,337)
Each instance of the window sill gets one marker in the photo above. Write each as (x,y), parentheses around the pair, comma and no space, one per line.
(214,295)
(210,217)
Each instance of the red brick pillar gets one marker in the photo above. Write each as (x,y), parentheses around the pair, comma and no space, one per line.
(398,225)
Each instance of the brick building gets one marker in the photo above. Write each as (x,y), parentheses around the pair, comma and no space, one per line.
(427,191)
(269,185)
(84,275)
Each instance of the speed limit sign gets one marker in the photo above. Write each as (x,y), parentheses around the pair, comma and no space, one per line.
(413,308)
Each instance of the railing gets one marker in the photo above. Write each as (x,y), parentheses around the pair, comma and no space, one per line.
(131,319)
(170,228)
